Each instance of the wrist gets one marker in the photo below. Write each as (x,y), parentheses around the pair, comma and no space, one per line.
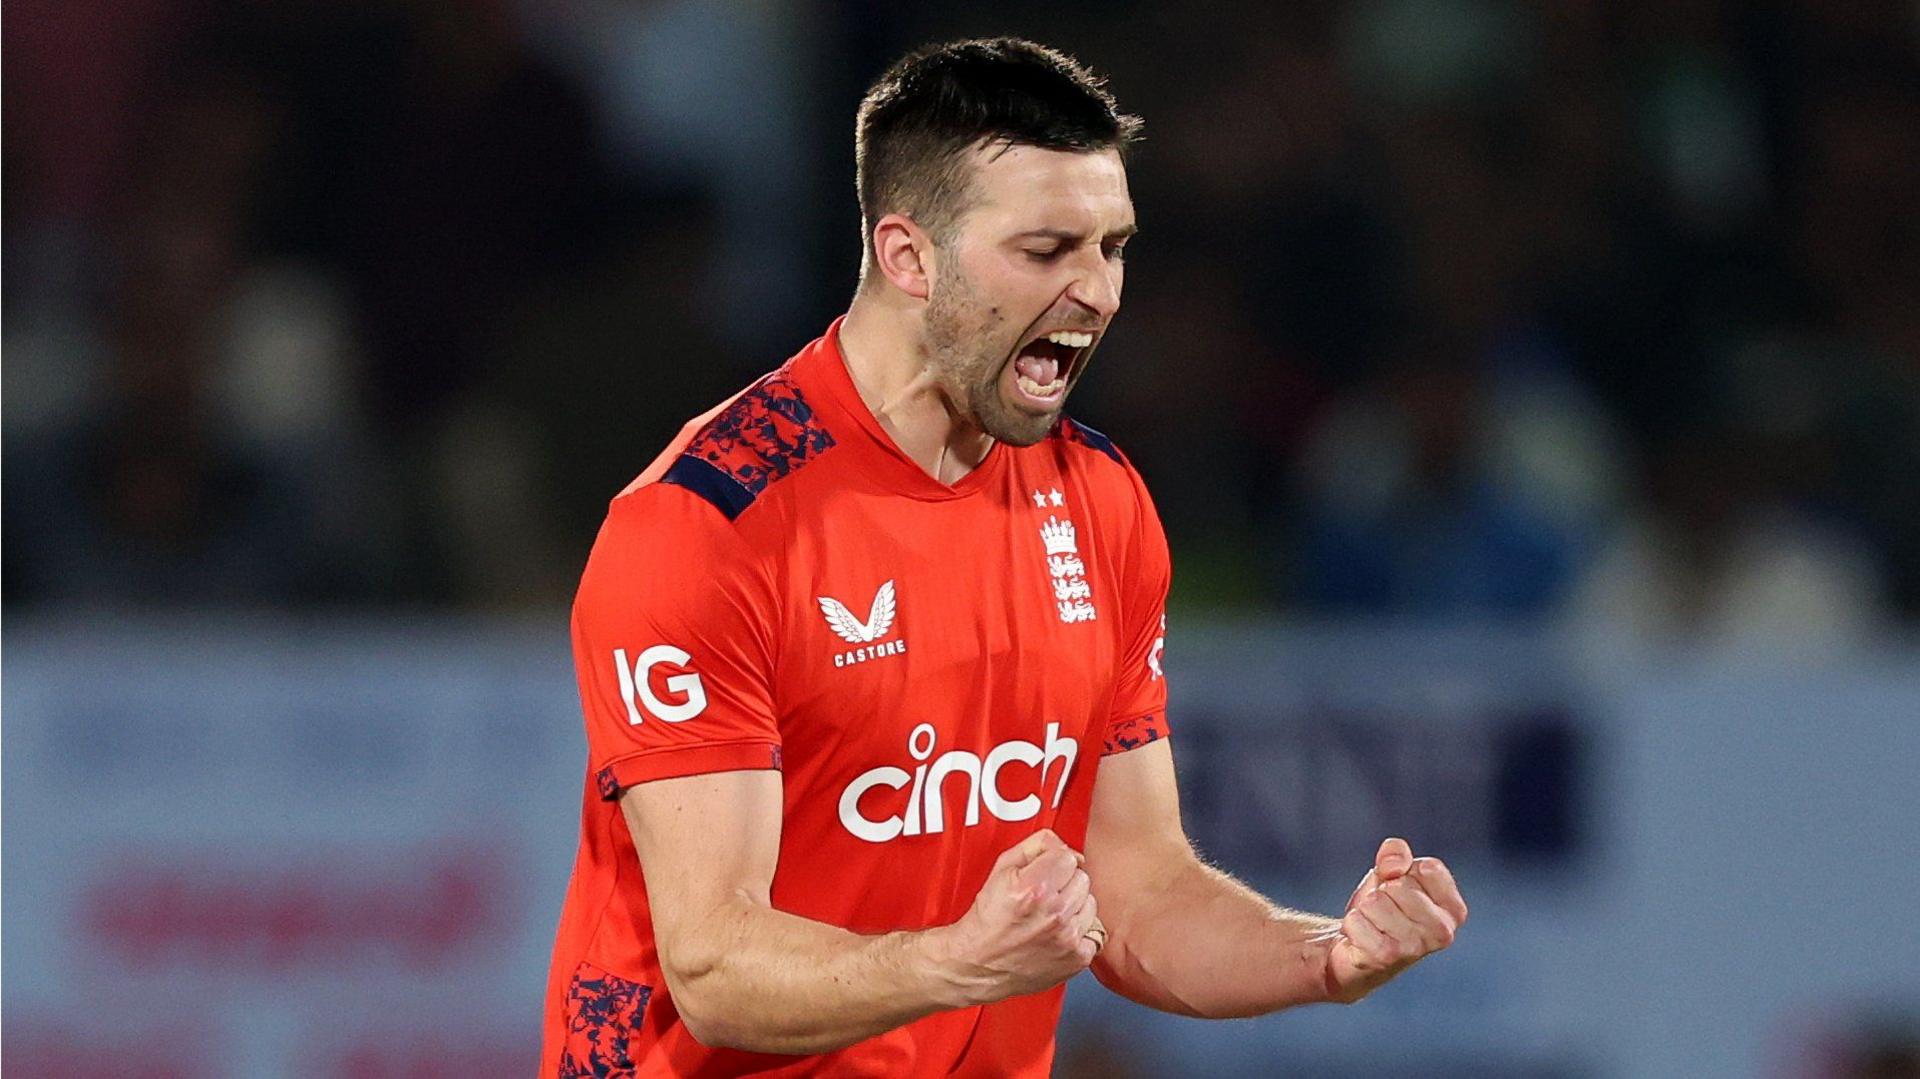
(1330,981)
(952,979)
(1337,990)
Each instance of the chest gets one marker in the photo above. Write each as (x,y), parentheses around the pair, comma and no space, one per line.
(981,619)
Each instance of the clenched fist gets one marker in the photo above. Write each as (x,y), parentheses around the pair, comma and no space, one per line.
(1403,910)
(1032,925)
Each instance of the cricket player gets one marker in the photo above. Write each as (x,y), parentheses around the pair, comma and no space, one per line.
(871,662)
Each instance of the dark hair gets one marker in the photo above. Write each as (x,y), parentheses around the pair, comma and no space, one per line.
(919,119)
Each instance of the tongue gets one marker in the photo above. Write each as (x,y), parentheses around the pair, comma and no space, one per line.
(1038,363)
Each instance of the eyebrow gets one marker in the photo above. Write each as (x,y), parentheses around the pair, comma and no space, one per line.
(1121,233)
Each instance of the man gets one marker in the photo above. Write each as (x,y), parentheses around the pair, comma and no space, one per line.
(871,663)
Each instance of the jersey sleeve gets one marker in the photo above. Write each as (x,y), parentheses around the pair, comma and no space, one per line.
(671,645)
(1139,713)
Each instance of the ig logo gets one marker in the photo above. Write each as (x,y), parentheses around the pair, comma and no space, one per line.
(634,681)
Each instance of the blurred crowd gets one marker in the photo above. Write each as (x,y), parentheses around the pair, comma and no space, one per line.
(1604,313)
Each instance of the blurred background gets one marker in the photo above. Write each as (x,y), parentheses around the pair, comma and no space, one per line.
(1531,394)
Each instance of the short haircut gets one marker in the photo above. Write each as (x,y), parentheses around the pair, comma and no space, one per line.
(919,120)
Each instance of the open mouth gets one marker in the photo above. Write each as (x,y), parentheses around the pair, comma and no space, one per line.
(1044,366)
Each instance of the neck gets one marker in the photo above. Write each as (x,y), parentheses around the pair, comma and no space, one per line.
(885,349)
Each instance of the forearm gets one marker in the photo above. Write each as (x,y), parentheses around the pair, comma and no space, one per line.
(751,977)
(1201,943)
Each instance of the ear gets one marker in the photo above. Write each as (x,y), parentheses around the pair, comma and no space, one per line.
(903,254)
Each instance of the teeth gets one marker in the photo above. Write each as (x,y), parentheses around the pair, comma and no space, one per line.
(1070,339)
(1037,389)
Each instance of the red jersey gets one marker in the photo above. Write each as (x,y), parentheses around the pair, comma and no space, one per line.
(936,671)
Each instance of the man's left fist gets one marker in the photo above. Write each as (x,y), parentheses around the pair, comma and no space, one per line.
(1404,910)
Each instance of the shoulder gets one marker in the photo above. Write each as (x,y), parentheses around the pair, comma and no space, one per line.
(662,532)
(1072,432)
(1098,461)
(663,548)
(1118,491)
(730,456)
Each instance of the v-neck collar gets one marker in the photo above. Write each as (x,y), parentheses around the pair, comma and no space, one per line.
(824,366)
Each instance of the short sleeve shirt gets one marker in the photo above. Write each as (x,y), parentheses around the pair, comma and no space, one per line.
(935,670)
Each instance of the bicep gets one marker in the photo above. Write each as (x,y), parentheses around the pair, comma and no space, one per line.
(1134,837)
(704,841)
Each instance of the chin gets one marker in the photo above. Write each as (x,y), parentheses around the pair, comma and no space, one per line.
(1009,423)
(1020,429)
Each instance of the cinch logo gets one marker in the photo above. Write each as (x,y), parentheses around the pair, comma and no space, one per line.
(636,681)
(925,810)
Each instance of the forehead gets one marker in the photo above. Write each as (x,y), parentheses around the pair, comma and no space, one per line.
(1027,186)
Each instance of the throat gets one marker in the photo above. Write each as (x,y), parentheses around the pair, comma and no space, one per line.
(960,455)
(927,431)
(893,381)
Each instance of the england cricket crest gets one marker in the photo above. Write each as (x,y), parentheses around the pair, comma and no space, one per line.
(1072,595)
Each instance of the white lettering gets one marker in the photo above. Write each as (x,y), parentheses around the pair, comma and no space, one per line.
(872,651)
(925,810)
(958,760)
(863,827)
(635,680)
(1058,749)
(1020,808)
(919,753)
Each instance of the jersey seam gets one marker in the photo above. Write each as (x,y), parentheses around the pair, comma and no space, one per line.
(614,819)
(1110,451)
(781,374)
(659,751)
(754,500)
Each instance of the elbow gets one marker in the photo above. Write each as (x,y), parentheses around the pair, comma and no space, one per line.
(711,1012)
(1126,974)
(715,1032)
(724,1002)
(707,1017)
(696,984)
(700,1018)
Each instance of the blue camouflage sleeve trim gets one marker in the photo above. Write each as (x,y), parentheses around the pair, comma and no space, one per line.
(1134,733)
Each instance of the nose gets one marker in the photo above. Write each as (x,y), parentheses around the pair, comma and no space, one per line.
(1097,288)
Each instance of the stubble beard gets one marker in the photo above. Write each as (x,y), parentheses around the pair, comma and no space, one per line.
(968,345)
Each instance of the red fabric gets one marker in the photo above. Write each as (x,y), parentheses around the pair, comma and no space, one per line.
(1027,620)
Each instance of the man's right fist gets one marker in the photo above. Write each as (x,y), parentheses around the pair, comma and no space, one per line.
(1033,924)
